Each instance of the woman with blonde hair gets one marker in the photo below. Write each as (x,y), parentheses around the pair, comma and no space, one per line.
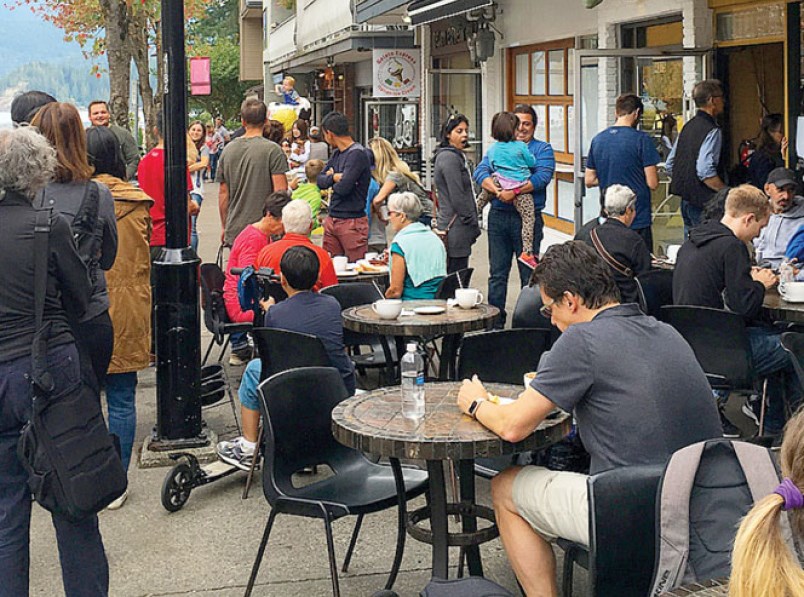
(762,563)
(197,162)
(394,176)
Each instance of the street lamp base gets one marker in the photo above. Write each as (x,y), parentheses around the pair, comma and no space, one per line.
(157,452)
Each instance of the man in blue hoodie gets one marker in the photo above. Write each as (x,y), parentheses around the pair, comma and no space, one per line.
(504,223)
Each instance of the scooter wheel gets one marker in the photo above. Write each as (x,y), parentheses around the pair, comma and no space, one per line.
(177,487)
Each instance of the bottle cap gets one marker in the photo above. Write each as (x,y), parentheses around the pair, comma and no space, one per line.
(412,347)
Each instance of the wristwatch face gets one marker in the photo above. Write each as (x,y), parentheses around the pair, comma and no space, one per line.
(473,407)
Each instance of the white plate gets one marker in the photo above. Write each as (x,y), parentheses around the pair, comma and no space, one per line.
(347,274)
(381,269)
(429,310)
(504,401)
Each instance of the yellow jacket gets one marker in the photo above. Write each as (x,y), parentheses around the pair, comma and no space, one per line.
(129,280)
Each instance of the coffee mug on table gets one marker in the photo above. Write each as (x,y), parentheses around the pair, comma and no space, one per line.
(340,262)
(468,298)
(387,308)
(792,291)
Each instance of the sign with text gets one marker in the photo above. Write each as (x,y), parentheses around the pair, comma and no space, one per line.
(396,73)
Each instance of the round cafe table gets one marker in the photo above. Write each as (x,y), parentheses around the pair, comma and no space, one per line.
(780,309)
(450,324)
(374,423)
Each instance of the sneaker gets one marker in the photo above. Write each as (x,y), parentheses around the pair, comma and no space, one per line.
(118,503)
(528,259)
(233,452)
(240,358)
(748,409)
(729,429)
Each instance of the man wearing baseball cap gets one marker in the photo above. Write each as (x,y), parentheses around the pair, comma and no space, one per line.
(787,215)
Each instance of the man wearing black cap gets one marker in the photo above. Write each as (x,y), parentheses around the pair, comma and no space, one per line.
(787,216)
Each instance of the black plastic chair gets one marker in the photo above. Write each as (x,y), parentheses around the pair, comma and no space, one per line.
(280,350)
(655,291)
(622,533)
(527,315)
(793,342)
(501,356)
(450,283)
(382,352)
(215,318)
(297,408)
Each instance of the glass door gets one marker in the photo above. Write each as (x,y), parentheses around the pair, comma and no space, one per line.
(398,123)
(457,91)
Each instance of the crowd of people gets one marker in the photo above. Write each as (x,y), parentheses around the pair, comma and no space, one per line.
(277,185)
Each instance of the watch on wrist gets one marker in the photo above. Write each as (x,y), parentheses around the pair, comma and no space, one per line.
(472,412)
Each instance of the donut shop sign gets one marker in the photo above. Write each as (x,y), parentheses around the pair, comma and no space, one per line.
(396,73)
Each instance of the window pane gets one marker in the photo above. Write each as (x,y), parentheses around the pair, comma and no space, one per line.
(521,76)
(539,74)
(557,128)
(541,123)
(571,129)
(566,200)
(591,204)
(550,205)
(570,71)
(556,58)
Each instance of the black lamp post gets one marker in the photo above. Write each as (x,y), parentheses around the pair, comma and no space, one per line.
(178,322)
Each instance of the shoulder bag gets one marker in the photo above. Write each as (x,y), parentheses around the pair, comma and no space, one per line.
(72,465)
(608,257)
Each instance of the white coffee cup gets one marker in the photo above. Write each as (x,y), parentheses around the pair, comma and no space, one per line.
(371,255)
(468,298)
(387,308)
(527,378)
(792,291)
(672,252)
(340,262)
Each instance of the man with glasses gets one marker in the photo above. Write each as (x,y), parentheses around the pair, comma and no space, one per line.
(694,162)
(633,385)
(621,247)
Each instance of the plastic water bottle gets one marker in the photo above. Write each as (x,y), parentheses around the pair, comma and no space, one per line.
(412,383)
(786,271)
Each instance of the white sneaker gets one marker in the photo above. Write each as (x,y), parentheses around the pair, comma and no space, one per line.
(118,503)
(234,453)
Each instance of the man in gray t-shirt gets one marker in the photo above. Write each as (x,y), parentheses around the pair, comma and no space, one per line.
(250,169)
(633,384)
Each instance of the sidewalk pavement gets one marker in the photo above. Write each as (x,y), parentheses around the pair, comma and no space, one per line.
(207,548)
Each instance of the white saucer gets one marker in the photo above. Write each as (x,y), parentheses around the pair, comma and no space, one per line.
(347,274)
(429,310)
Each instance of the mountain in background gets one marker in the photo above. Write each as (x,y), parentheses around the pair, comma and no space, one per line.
(34,55)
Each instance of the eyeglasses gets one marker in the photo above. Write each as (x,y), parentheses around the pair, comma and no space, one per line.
(546,310)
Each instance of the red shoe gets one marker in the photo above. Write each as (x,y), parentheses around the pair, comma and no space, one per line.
(528,259)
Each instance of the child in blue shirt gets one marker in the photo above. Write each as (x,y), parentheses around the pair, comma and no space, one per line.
(511,164)
(288,91)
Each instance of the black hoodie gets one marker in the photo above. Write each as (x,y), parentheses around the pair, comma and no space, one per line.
(713,269)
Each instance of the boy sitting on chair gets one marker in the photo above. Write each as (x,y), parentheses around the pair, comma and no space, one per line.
(303,311)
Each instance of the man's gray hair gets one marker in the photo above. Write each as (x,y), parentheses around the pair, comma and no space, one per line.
(406,203)
(618,199)
(297,217)
(27,161)
(704,91)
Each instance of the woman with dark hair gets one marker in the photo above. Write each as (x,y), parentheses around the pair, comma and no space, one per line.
(274,131)
(27,164)
(197,169)
(772,146)
(299,145)
(129,284)
(457,212)
(73,193)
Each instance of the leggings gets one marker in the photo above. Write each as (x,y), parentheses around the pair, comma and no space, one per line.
(524,206)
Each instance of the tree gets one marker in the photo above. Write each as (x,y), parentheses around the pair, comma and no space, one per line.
(122,30)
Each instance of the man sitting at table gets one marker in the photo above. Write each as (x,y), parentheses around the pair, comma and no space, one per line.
(713,269)
(622,248)
(633,385)
(297,219)
(787,214)
(303,311)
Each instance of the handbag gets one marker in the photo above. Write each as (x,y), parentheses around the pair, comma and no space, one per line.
(442,234)
(72,465)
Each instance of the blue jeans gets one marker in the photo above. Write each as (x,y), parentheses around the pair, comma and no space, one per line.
(249,398)
(505,244)
(691,215)
(121,395)
(213,164)
(84,569)
(772,361)
(193,231)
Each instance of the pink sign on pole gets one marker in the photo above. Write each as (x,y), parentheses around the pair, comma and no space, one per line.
(200,79)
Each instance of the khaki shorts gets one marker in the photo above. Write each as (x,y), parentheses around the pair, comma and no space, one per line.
(554,503)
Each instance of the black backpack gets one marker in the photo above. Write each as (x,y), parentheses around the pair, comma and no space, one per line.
(72,465)
(84,227)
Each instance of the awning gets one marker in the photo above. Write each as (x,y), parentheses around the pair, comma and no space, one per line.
(422,12)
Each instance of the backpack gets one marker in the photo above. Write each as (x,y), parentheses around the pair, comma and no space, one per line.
(248,290)
(84,228)
(705,491)
(472,586)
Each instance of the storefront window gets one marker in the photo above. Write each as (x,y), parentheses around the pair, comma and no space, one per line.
(566,199)
(557,72)
(539,77)
(751,23)
(557,128)
(522,74)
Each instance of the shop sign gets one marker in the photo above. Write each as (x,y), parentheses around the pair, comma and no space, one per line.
(396,73)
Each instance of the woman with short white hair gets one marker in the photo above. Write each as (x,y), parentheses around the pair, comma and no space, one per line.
(27,164)
(418,258)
